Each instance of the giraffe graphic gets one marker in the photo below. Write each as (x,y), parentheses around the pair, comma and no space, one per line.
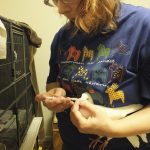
(113,94)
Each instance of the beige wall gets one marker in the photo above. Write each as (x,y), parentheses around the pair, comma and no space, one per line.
(45,21)
(145,3)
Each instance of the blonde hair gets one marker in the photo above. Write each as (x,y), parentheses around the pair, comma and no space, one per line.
(98,15)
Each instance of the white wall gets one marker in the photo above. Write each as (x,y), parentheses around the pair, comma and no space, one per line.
(45,21)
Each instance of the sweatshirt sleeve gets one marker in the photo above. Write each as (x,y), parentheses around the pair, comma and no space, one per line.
(53,62)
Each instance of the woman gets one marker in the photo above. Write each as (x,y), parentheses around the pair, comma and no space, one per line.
(103,51)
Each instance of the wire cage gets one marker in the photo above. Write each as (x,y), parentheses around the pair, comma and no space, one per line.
(17,106)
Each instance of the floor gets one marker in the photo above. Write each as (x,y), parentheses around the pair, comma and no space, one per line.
(56,144)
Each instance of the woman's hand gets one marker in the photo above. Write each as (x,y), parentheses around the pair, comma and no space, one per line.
(89,119)
(55,100)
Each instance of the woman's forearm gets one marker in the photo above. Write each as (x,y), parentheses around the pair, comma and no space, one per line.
(134,124)
(120,112)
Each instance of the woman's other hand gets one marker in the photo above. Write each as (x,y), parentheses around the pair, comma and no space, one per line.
(55,100)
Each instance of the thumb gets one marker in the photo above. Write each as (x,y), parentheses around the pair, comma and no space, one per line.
(39,97)
(75,114)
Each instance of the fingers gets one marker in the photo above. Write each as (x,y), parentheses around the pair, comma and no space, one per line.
(78,119)
(75,107)
(57,104)
(75,115)
(77,111)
